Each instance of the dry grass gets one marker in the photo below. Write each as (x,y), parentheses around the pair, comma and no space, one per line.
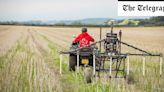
(28,59)
(149,38)
(26,66)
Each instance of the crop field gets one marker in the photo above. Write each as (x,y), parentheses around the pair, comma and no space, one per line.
(29,60)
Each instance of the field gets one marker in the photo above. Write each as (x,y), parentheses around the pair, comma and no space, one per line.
(29,60)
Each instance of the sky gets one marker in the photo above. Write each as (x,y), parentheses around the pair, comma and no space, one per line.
(46,10)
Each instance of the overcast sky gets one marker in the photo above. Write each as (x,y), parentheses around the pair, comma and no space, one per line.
(23,10)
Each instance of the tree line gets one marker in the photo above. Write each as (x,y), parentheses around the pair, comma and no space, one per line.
(152,21)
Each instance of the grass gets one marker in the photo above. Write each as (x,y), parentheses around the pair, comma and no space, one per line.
(73,82)
(26,69)
(8,60)
(22,71)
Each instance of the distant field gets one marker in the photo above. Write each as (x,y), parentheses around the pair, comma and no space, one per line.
(28,57)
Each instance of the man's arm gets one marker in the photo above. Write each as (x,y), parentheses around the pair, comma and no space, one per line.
(77,39)
(91,38)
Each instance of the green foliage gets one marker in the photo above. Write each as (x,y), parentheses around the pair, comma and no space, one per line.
(128,22)
(153,21)
(60,24)
(77,23)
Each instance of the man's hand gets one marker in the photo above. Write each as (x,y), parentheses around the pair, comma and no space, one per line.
(75,43)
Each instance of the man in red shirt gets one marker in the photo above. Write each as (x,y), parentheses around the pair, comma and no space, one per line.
(84,38)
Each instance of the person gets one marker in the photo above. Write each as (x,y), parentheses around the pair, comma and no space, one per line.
(84,38)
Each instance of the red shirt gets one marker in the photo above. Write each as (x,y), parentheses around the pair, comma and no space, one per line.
(84,39)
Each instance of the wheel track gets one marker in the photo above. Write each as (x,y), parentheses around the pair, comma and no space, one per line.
(56,38)
(8,39)
(46,69)
(11,71)
(30,62)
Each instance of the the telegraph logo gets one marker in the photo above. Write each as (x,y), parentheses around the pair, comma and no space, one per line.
(140,8)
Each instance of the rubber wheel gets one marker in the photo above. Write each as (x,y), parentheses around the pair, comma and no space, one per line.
(72,63)
(88,72)
(130,78)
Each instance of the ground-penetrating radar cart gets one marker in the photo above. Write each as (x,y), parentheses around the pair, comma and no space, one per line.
(94,58)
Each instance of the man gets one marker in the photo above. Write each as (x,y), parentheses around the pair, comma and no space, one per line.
(84,38)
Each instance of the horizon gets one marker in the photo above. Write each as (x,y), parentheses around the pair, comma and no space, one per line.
(73,19)
(50,10)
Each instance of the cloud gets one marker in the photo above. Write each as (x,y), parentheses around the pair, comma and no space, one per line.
(56,9)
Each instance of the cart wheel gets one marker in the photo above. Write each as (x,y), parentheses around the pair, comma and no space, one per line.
(130,78)
(72,63)
(88,72)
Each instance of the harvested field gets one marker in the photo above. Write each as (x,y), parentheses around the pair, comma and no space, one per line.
(29,59)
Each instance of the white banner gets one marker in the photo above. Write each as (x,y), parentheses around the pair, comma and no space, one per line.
(140,8)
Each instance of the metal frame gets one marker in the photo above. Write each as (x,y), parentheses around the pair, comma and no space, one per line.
(119,57)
